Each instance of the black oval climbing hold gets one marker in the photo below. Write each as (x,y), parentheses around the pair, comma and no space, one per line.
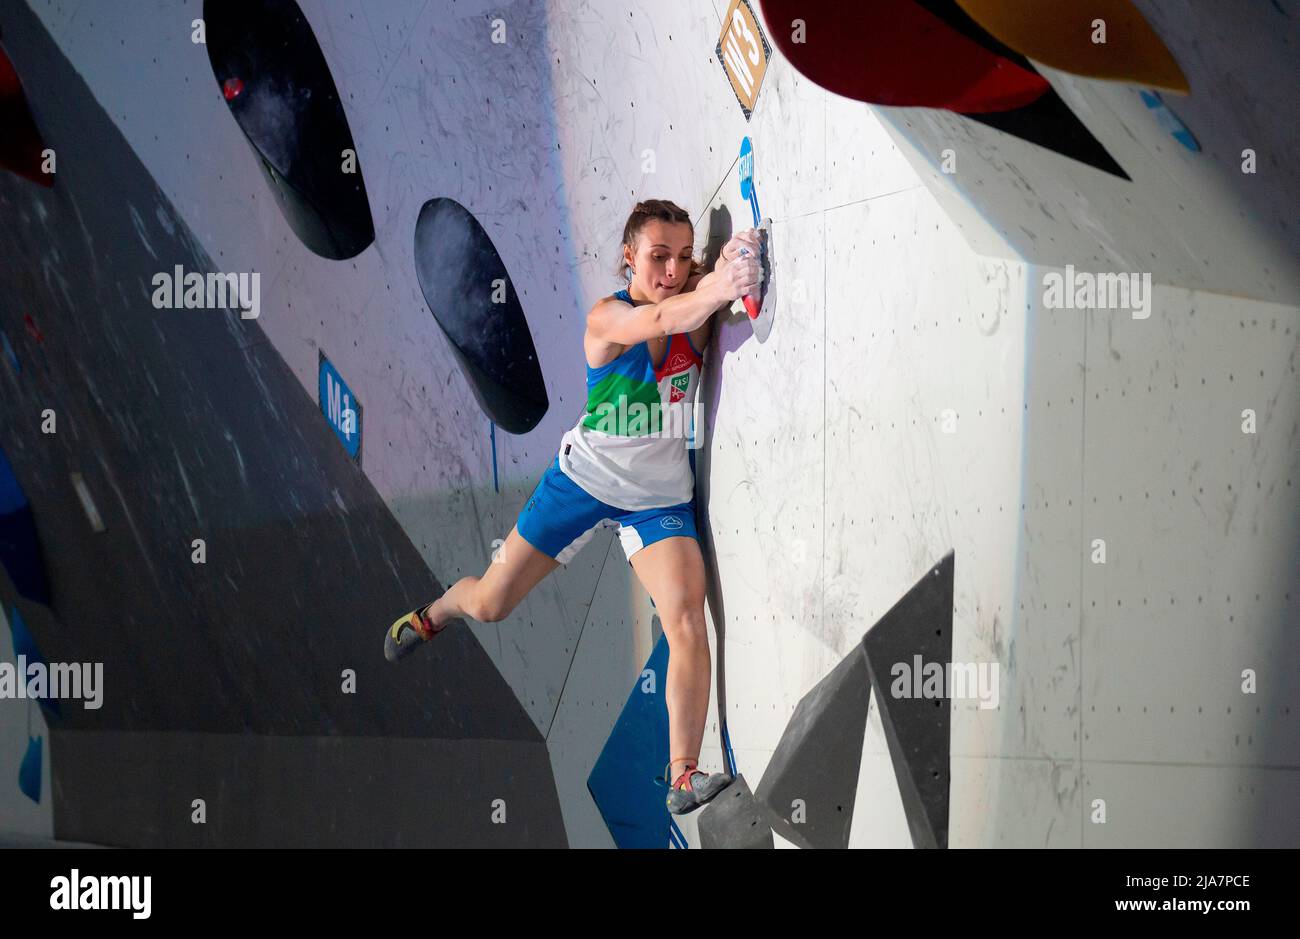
(275,79)
(469,292)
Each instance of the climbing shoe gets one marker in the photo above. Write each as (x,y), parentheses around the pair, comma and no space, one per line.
(409,633)
(693,788)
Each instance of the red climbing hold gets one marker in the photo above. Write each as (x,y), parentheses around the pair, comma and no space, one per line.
(897,53)
(32,329)
(21,147)
(232,88)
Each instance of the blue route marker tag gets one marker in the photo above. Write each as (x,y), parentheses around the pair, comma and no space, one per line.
(340,407)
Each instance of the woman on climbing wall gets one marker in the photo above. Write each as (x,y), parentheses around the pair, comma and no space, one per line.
(628,463)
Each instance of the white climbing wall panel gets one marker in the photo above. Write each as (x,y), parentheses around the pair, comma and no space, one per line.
(914,394)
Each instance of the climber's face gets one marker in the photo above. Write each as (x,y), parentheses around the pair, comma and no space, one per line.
(661,258)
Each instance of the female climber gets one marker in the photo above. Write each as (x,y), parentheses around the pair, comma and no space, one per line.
(629,464)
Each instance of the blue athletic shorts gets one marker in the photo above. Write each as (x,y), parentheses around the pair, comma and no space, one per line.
(560,517)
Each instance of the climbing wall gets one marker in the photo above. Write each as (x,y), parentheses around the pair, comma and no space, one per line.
(908,394)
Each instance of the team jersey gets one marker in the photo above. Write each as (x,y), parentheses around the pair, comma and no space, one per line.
(631,447)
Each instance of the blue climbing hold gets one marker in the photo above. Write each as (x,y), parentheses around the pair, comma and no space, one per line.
(20,552)
(1169,121)
(29,771)
(9,352)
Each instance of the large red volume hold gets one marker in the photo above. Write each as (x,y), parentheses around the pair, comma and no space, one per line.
(894,52)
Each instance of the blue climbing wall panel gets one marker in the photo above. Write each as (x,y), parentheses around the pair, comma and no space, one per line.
(623,781)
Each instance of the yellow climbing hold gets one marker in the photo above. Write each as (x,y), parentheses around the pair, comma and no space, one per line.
(1065,34)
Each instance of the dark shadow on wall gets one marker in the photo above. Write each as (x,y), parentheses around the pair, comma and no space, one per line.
(224,680)
(720,229)
(1272,805)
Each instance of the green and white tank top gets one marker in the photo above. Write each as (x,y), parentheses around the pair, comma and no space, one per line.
(631,447)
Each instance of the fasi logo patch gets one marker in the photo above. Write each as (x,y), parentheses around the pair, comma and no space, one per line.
(679,385)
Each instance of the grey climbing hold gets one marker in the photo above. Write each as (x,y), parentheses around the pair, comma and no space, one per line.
(735,819)
(811,782)
(917,630)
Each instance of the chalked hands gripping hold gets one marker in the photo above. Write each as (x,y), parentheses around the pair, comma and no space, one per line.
(740,272)
(750,238)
